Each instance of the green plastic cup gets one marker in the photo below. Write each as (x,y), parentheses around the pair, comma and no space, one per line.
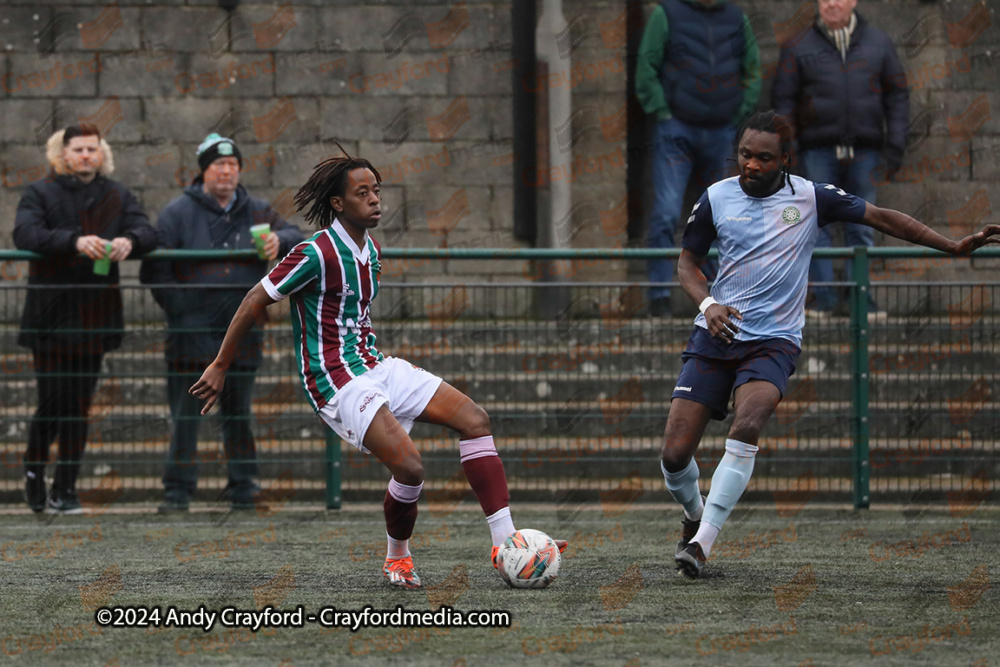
(103,266)
(259,233)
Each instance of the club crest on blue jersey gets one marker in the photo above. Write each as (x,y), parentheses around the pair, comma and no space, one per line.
(791,215)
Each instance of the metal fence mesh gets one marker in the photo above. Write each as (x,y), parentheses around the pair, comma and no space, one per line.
(932,384)
(577,381)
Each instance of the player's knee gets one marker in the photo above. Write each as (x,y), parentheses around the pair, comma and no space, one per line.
(674,459)
(677,448)
(477,423)
(409,471)
(745,430)
(675,453)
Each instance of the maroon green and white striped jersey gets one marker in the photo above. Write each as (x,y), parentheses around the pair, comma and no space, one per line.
(332,284)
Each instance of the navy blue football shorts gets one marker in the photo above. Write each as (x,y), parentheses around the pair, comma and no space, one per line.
(713,369)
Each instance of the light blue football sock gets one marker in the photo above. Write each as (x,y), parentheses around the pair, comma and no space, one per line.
(729,482)
(683,486)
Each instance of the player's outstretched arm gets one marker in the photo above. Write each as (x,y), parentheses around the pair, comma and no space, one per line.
(695,283)
(902,226)
(250,312)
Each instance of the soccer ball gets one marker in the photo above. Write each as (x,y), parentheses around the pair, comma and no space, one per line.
(528,559)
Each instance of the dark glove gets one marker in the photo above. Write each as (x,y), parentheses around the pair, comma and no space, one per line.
(893,161)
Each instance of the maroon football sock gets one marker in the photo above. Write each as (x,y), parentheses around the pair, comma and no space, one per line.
(400,507)
(484,470)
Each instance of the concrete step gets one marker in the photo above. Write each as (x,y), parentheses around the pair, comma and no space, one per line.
(150,336)
(443,494)
(592,331)
(272,393)
(786,443)
(551,458)
(417,335)
(598,418)
(444,357)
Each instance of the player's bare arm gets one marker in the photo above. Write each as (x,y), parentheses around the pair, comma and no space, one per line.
(692,279)
(251,311)
(902,226)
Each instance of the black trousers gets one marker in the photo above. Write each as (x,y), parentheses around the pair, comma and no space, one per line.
(180,478)
(66,384)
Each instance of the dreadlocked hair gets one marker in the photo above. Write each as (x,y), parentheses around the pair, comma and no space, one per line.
(772,123)
(329,179)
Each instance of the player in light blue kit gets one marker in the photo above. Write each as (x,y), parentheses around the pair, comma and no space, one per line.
(749,333)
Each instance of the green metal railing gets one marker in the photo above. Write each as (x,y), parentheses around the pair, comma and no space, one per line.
(495,310)
(859,363)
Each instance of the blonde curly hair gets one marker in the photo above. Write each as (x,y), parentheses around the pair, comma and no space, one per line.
(54,154)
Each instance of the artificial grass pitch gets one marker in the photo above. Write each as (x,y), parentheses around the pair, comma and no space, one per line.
(816,586)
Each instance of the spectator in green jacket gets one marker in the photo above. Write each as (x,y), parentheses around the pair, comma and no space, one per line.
(698,75)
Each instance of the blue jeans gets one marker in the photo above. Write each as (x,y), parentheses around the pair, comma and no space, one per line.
(181,475)
(679,149)
(855,176)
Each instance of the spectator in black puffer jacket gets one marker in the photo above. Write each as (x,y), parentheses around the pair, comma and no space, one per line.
(841,86)
(215,212)
(72,315)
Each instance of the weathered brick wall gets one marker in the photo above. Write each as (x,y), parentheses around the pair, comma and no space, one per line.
(423,90)
(949,51)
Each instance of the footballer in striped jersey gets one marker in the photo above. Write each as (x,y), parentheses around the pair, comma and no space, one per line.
(370,400)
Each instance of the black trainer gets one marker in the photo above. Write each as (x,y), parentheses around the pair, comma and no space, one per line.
(34,491)
(248,497)
(173,505)
(689,530)
(243,503)
(63,502)
(690,560)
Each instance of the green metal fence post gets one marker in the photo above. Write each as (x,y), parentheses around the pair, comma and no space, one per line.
(859,376)
(333,495)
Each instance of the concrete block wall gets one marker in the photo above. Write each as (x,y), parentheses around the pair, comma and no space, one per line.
(422,88)
(950,51)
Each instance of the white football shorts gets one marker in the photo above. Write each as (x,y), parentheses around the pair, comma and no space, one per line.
(405,388)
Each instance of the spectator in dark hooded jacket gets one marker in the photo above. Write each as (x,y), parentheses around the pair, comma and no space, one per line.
(72,315)
(841,86)
(215,212)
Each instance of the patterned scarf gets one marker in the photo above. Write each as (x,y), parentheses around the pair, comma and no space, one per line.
(842,39)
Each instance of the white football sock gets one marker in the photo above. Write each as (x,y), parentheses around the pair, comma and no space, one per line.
(501,525)
(705,537)
(397,548)
(728,484)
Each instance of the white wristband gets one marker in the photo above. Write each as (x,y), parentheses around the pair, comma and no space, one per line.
(709,301)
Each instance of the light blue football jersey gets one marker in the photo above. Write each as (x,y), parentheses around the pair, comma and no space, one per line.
(765,246)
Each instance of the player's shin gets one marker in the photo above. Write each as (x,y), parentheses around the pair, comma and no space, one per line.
(728,484)
(683,486)
(400,507)
(484,470)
